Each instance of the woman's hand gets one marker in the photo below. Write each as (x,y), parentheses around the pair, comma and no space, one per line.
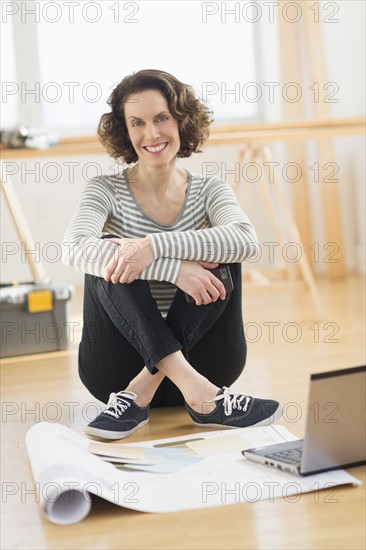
(132,257)
(196,280)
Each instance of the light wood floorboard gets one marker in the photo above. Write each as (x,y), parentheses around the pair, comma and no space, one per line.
(41,387)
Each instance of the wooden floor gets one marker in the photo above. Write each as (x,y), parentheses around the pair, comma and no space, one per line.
(36,388)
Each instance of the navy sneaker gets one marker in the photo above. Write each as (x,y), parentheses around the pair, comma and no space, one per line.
(120,419)
(235,410)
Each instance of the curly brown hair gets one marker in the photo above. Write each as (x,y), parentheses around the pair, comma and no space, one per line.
(193,117)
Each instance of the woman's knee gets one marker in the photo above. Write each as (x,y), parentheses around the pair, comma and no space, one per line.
(97,288)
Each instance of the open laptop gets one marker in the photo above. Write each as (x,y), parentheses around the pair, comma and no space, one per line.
(335,427)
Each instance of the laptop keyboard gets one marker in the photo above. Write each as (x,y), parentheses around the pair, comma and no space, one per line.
(293,456)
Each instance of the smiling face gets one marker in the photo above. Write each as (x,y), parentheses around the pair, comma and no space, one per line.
(153,131)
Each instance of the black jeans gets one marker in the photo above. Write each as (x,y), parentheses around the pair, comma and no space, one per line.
(123,331)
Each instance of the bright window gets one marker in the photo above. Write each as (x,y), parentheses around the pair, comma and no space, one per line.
(85,48)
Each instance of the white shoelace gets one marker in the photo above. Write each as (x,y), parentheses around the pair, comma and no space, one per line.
(116,405)
(232,401)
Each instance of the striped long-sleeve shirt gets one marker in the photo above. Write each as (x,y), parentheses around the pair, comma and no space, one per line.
(210,227)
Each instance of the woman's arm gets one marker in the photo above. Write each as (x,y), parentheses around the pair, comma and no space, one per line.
(85,251)
(231,238)
(81,247)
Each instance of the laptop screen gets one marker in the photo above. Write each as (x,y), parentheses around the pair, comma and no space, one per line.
(335,433)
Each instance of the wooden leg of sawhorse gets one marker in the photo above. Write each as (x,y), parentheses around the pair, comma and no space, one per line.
(21,226)
(251,153)
(304,266)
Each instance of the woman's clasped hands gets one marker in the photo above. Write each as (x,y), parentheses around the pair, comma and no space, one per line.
(194,278)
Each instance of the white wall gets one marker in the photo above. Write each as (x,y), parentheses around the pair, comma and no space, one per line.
(344,43)
(49,206)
